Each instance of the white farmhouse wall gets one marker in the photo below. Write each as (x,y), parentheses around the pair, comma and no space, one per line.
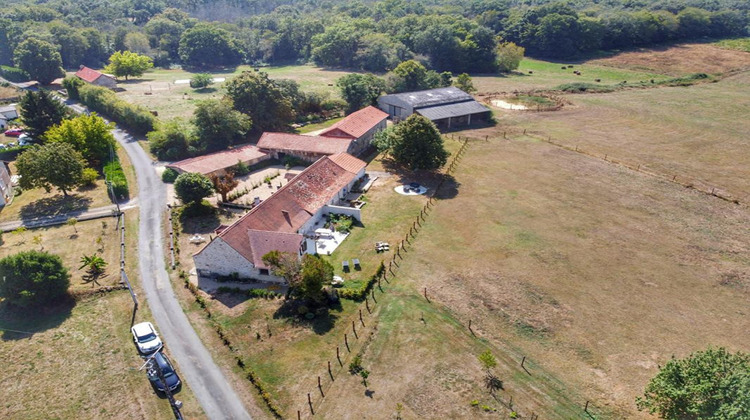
(349,211)
(220,259)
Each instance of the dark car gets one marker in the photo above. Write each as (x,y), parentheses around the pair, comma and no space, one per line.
(159,360)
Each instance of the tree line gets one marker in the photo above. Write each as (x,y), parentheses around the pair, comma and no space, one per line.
(444,35)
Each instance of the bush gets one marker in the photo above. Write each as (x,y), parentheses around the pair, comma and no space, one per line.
(584,87)
(14,74)
(169,175)
(102,100)
(359,294)
(114,174)
(201,81)
(241,168)
(33,278)
(89,177)
(334,105)
(73,85)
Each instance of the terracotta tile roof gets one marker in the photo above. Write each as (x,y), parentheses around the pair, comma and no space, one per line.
(348,162)
(308,144)
(291,207)
(356,124)
(212,162)
(262,242)
(89,75)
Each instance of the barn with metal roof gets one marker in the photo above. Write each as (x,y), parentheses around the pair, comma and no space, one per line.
(447,107)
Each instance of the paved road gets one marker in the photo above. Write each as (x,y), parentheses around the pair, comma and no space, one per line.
(95,213)
(209,385)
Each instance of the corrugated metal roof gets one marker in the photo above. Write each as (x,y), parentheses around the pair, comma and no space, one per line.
(431,97)
(452,110)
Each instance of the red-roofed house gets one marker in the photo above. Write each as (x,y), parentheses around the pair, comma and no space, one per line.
(285,222)
(360,127)
(351,135)
(308,148)
(95,77)
(218,163)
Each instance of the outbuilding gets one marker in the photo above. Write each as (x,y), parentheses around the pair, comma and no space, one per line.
(95,77)
(446,107)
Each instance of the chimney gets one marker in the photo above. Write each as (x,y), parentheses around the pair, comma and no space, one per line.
(80,67)
(287,217)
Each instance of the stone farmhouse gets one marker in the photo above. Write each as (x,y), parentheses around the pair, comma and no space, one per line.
(351,135)
(95,77)
(284,222)
(218,163)
(446,107)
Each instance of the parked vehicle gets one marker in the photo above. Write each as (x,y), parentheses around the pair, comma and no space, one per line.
(24,139)
(146,338)
(160,361)
(13,132)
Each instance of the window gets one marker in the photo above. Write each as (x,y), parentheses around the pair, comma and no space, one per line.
(263,271)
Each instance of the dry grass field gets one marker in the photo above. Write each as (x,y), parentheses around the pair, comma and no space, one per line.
(78,360)
(698,133)
(595,272)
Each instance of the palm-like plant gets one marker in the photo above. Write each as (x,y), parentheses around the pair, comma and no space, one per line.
(95,264)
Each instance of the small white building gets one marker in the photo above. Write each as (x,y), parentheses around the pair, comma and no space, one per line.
(284,222)
(6,186)
(7,113)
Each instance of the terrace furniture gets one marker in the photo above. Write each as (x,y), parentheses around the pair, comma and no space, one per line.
(345,266)
(356,264)
(382,246)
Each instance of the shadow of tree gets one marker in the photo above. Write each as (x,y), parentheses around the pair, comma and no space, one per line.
(430,179)
(19,323)
(323,322)
(57,205)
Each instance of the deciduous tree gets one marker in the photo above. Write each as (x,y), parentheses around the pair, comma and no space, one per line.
(360,90)
(88,134)
(418,144)
(128,63)
(192,187)
(208,45)
(464,82)
(509,56)
(39,59)
(171,141)
(33,278)
(712,384)
(218,125)
(51,165)
(254,94)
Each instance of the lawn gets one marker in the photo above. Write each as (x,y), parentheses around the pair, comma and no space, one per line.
(72,360)
(157,91)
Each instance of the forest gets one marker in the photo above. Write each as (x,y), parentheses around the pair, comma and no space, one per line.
(444,35)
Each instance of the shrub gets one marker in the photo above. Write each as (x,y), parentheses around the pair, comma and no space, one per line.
(201,81)
(169,175)
(89,177)
(356,365)
(133,117)
(33,278)
(114,174)
(334,105)
(584,87)
(359,294)
(241,168)
(73,85)
(14,74)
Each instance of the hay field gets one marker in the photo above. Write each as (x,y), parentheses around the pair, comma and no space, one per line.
(697,133)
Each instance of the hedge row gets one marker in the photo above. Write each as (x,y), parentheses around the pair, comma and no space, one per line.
(14,74)
(251,293)
(102,100)
(115,175)
(249,373)
(359,294)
